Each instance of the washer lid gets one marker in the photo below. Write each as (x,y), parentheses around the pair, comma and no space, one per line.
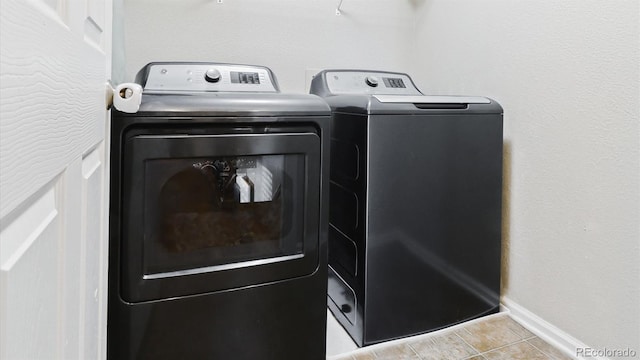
(432,99)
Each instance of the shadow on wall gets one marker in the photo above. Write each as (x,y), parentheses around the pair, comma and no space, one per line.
(506,215)
(417,3)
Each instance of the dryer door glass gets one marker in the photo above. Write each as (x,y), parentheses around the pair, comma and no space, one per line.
(221,211)
(205,213)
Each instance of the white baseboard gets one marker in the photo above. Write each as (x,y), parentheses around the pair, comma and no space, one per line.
(545,330)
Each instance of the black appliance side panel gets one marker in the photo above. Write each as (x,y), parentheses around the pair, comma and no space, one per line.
(347,242)
(434,228)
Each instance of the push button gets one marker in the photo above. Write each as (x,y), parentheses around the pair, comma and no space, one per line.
(212,75)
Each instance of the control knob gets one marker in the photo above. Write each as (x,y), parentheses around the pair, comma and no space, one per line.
(212,75)
(371,81)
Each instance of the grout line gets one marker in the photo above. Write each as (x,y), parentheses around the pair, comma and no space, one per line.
(414,350)
(465,341)
(551,356)
(435,344)
(472,356)
(397,345)
(467,331)
(535,347)
(520,339)
(503,346)
(516,334)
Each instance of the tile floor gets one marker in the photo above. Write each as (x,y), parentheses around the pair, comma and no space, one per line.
(495,337)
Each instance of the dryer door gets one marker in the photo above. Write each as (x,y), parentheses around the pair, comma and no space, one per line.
(204,213)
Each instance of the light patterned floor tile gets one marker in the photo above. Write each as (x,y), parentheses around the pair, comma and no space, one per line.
(495,338)
(488,335)
(512,325)
(396,352)
(364,356)
(518,351)
(345,357)
(548,349)
(443,347)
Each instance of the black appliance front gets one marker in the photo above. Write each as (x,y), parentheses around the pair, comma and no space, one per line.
(217,244)
(415,208)
(217,250)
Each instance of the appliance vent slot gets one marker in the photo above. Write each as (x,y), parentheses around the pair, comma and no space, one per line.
(435,106)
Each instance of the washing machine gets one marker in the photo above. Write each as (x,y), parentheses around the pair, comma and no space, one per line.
(415,205)
(218,218)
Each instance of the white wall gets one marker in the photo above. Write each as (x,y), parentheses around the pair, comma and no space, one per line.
(289,36)
(567,75)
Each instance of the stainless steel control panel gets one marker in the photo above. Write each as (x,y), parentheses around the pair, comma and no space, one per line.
(369,82)
(209,77)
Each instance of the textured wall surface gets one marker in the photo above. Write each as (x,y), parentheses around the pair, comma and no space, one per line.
(289,36)
(567,75)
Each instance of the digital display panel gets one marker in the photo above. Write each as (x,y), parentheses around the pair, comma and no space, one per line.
(245,77)
(393,83)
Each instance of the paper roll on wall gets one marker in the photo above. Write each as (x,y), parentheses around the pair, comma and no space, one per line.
(127,97)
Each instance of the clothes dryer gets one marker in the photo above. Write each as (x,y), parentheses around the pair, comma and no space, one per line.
(218,218)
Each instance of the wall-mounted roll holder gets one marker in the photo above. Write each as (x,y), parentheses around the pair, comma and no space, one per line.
(125,97)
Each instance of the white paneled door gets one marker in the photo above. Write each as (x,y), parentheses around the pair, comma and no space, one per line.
(55,60)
